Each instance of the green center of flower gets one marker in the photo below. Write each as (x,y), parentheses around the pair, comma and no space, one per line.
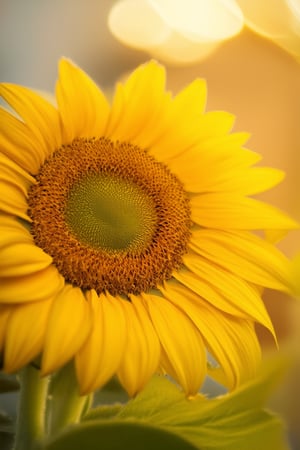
(109,213)
(111,216)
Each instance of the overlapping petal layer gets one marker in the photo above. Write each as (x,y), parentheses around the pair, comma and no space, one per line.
(235,346)
(62,341)
(100,356)
(25,333)
(82,106)
(209,303)
(142,348)
(183,351)
(37,136)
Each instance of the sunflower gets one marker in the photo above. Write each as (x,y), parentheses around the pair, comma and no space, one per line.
(128,237)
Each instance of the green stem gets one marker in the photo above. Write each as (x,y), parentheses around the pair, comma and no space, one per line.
(66,406)
(31,412)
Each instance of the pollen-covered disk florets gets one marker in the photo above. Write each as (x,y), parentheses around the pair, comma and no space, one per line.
(112,217)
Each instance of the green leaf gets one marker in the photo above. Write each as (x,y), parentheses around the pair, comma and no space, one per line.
(103,412)
(8,383)
(161,416)
(116,435)
(232,421)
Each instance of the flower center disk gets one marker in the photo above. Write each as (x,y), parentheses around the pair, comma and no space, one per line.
(109,213)
(111,216)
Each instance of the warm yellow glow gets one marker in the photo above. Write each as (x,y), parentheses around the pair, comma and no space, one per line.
(188,31)
(278,20)
(175,31)
(135,23)
(294,6)
(177,49)
(268,17)
(201,20)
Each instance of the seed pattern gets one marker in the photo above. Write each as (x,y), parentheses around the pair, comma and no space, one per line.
(141,265)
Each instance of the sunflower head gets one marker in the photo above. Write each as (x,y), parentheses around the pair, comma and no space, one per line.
(116,208)
(128,238)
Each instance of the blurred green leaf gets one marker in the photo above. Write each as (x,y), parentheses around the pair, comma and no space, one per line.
(115,435)
(103,412)
(232,421)
(162,416)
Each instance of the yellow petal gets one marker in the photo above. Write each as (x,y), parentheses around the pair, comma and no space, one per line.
(13,200)
(82,106)
(117,110)
(192,99)
(99,358)
(14,184)
(214,154)
(155,125)
(232,341)
(248,182)
(19,255)
(34,287)
(18,144)
(10,176)
(25,334)
(226,143)
(188,131)
(246,255)
(13,230)
(41,119)
(183,352)
(132,119)
(219,165)
(224,290)
(142,351)
(228,210)
(13,173)
(19,259)
(224,173)
(68,327)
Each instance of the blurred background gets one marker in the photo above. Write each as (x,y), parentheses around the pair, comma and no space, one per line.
(249,57)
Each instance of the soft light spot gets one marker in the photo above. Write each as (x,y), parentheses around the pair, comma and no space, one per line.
(294,6)
(179,32)
(268,17)
(201,20)
(136,23)
(277,20)
(180,50)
